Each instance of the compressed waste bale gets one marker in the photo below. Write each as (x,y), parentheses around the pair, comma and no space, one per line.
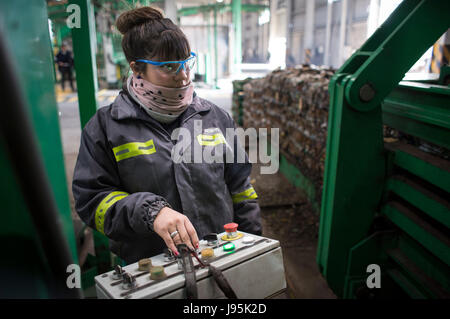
(296,101)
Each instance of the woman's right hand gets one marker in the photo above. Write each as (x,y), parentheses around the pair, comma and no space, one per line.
(167,221)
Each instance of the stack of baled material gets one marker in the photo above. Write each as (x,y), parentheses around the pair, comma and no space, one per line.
(296,101)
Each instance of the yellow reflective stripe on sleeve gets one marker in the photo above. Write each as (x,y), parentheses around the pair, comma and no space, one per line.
(128,150)
(210,140)
(245,195)
(104,205)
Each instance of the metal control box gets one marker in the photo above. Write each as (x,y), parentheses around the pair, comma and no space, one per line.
(254,269)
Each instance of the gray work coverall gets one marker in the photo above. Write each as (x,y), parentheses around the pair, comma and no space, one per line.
(125,174)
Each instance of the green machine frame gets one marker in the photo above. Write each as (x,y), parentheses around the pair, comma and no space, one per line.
(388,203)
(36,229)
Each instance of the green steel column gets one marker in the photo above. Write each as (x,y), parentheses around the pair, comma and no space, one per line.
(25,29)
(84,44)
(207,16)
(53,54)
(58,34)
(216,60)
(237,25)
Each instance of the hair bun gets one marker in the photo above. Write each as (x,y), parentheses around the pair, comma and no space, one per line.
(135,17)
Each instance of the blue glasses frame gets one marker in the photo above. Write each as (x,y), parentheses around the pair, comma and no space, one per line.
(181,63)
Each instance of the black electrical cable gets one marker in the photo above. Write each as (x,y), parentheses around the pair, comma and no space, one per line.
(222,282)
(25,158)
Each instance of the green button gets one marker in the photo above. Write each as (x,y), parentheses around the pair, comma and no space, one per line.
(228,247)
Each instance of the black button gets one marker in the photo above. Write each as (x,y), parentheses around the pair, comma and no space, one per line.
(210,237)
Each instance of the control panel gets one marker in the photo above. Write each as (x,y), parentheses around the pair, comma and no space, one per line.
(252,265)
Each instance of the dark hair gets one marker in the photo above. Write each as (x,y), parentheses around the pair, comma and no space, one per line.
(148,35)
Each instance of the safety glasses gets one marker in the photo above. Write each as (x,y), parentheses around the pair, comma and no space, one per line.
(173,67)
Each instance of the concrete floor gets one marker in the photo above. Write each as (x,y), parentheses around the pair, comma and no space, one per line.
(302,275)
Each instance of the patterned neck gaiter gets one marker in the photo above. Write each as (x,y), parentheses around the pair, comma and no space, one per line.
(160,99)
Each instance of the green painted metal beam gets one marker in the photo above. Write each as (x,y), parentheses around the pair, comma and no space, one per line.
(353,182)
(187,11)
(431,239)
(391,43)
(370,250)
(236,6)
(250,7)
(39,92)
(61,31)
(25,29)
(221,7)
(429,264)
(216,50)
(412,267)
(420,197)
(208,68)
(426,103)
(416,279)
(412,290)
(84,45)
(421,164)
(295,176)
(421,110)
(403,123)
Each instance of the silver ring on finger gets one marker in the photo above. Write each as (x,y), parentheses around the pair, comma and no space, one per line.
(173,234)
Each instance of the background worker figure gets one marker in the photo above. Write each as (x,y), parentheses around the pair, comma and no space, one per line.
(64,60)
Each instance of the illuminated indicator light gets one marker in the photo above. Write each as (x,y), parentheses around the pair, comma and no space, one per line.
(228,247)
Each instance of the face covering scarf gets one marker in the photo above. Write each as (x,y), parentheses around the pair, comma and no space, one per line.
(168,102)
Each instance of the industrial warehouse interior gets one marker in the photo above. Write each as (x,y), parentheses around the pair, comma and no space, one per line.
(225,149)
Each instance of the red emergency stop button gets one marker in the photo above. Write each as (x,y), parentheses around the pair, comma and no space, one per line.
(231,227)
(231,230)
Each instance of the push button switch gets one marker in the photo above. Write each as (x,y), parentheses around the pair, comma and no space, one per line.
(229,247)
(157,273)
(231,232)
(211,239)
(207,253)
(144,264)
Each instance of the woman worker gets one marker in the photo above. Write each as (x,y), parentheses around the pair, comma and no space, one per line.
(126,184)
